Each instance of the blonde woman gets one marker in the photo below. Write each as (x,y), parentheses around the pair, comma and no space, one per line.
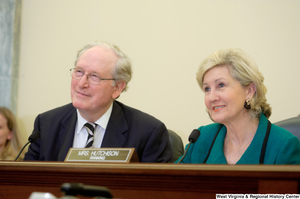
(235,98)
(10,140)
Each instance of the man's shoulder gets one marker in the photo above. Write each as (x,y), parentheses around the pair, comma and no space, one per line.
(59,111)
(133,113)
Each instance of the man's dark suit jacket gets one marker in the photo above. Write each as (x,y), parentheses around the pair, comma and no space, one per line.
(127,128)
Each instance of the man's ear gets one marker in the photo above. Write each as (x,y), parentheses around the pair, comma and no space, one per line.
(119,88)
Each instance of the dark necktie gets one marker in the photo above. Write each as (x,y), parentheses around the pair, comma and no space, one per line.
(90,140)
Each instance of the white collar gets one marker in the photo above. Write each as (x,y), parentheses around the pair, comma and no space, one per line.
(102,121)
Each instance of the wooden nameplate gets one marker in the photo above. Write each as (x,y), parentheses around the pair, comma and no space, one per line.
(108,155)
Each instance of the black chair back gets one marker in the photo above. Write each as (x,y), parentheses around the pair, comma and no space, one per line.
(177,145)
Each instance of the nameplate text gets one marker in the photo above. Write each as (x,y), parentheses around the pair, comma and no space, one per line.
(119,155)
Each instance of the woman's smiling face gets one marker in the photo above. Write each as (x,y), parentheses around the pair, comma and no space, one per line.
(224,95)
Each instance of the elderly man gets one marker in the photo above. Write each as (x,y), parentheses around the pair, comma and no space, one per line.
(94,118)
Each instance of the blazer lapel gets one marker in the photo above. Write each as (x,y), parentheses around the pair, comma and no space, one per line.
(115,134)
(67,135)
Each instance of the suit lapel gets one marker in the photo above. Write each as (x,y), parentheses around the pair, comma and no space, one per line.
(67,134)
(115,135)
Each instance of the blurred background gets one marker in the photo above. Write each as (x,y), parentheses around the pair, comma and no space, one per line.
(166,41)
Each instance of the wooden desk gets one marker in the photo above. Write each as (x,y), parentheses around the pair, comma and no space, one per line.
(142,181)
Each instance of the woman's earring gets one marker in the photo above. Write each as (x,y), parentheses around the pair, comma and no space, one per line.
(247,104)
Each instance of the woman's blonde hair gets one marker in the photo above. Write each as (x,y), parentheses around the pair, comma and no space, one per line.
(14,145)
(245,71)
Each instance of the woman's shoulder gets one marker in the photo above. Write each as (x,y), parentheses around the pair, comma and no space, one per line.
(208,129)
(281,137)
(285,147)
(280,133)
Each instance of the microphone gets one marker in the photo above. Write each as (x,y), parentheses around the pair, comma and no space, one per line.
(32,138)
(86,190)
(192,139)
